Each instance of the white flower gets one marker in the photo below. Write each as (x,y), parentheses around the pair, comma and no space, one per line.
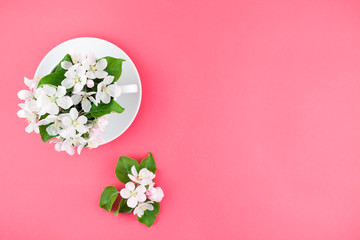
(51,98)
(76,57)
(75,77)
(30,105)
(54,128)
(72,123)
(95,69)
(154,194)
(85,99)
(31,118)
(142,207)
(145,177)
(95,140)
(31,83)
(28,94)
(133,195)
(105,90)
(70,142)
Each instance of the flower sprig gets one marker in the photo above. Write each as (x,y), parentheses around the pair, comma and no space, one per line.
(139,195)
(70,105)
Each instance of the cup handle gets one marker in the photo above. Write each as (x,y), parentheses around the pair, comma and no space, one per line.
(130,88)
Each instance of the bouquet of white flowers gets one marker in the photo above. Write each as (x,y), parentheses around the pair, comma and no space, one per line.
(70,105)
(139,196)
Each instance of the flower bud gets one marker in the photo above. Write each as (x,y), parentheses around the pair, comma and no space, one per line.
(90,83)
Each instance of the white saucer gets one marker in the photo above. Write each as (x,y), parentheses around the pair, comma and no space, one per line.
(118,123)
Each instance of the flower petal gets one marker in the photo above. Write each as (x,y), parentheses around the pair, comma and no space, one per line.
(52,108)
(21,113)
(76,98)
(86,105)
(108,80)
(82,119)
(101,74)
(67,132)
(52,130)
(28,82)
(65,102)
(141,197)
(132,178)
(79,149)
(50,91)
(93,100)
(133,171)
(139,211)
(81,129)
(105,98)
(113,90)
(74,113)
(132,202)
(61,91)
(124,193)
(24,94)
(68,83)
(78,87)
(29,128)
(149,206)
(42,101)
(90,74)
(130,186)
(66,121)
(66,65)
(80,71)
(140,189)
(101,64)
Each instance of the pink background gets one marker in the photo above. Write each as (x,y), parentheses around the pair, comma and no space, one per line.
(251,109)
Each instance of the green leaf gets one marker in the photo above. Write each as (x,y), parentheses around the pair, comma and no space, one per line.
(103,109)
(123,207)
(114,67)
(108,197)
(53,79)
(42,129)
(56,76)
(149,217)
(148,163)
(58,67)
(123,168)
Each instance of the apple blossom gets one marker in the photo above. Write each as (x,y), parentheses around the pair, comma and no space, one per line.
(72,141)
(50,99)
(106,90)
(31,118)
(142,207)
(72,123)
(155,194)
(144,177)
(75,77)
(77,57)
(132,194)
(95,69)
(54,128)
(85,98)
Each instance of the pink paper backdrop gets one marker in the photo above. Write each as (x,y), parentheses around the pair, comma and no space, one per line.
(251,109)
